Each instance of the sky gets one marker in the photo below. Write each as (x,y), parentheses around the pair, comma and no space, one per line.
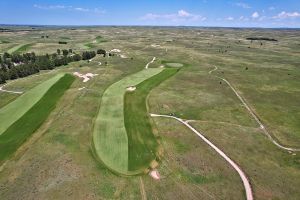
(224,13)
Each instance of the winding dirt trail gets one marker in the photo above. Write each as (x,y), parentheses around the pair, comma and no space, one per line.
(247,186)
(9,91)
(147,66)
(262,127)
(142,189)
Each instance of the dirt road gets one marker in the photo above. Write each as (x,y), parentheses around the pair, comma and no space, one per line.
(147,66)
(247,186)
(262,127)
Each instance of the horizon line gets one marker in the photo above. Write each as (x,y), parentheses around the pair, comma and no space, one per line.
(179,26)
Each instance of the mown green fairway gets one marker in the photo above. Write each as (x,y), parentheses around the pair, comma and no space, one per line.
(19,48)
(109,136)
(22,125)
(142,144)
(16,109)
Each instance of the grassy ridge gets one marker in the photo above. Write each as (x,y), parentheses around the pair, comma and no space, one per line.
(17,133)
(142,144)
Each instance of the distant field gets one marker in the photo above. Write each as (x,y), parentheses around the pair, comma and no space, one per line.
(109,136)
(32,119)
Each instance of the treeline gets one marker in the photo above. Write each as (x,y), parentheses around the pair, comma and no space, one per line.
(262,38)
(13,66)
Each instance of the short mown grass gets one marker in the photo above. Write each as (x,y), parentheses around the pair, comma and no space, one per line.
(18,132)
(142,143)
(110,140)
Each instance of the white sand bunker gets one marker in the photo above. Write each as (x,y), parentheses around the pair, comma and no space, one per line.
(154,174)
(155,45)
(174,64)
(131,88)
(115,50)
(86,77)
(81,88)
(123,56)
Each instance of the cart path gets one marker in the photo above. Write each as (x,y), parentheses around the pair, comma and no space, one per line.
(262,127)
(247,186)
(147,66)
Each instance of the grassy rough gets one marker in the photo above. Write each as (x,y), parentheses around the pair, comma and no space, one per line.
(142,144)
(109,137)
(17,133)
(12,112)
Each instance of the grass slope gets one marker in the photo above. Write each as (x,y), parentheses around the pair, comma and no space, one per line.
(109,137)
(16,109)
(142,144)
(17,133)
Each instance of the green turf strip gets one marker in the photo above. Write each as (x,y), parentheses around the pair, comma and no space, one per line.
(16,109)
(18,132)
(109,136)
(142,144)
(19,48)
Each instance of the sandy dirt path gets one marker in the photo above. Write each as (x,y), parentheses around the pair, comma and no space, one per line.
(262,127)
(142,189)
(9,91)
(147,66)
(247,186)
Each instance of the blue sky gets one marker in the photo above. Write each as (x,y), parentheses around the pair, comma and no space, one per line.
(247,13)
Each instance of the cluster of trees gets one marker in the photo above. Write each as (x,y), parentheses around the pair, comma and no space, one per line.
(62,42)
(101,52)
(88,55)
(13,66)
(262,38)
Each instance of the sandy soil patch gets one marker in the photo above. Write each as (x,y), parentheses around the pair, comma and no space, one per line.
(115,50)
(131,88)
(174,64)
(86,77)
(155,174)
(81,88)
(155,45)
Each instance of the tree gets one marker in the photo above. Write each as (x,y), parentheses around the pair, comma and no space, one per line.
(70,51)
(65,52)
(101,51)
(58,51)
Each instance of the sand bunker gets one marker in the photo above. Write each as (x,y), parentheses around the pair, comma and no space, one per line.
(86,77)
(174,64)
(123,56)
(155,45)
(131,88)
(154,174)
(115,50)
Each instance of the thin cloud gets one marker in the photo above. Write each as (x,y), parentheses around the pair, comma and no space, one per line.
(180,16)
(255,15)
(229,18)
(242,5)
(69,8)
(272,8)
(287,15)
